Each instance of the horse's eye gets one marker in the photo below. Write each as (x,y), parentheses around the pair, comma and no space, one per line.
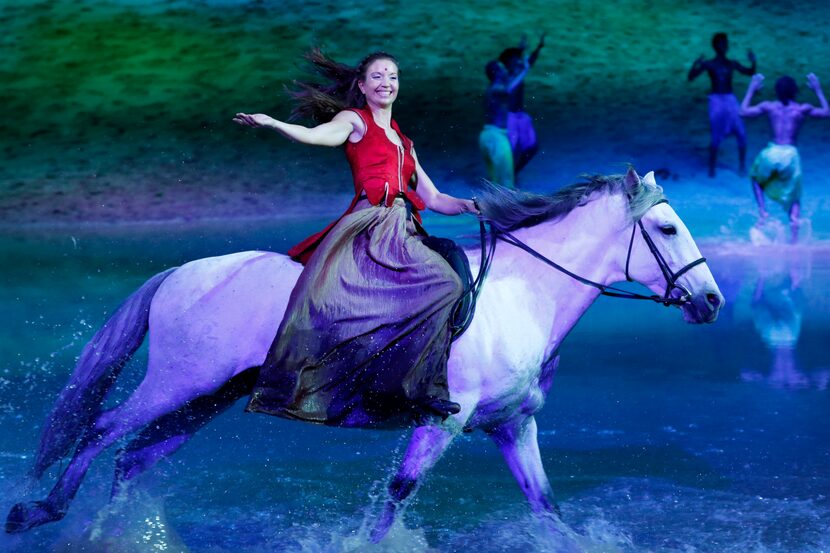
(668,230)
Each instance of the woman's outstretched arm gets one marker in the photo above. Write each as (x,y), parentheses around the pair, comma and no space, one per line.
(438,201)
(333,133)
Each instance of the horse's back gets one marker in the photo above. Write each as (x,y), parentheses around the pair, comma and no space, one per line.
(220,313)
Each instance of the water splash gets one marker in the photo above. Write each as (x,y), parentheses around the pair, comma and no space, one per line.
(773,232)
(133,522)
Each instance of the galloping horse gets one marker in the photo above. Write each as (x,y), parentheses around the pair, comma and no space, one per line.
(212,321)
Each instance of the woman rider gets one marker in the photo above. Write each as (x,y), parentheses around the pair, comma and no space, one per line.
(365,338)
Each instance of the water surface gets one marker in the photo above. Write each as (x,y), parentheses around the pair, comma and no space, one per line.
(657,435)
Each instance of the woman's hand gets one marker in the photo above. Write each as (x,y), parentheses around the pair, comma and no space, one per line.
(438,201)
(470,206)
(254,120)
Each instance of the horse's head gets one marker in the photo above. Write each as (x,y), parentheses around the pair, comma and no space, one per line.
(663,256)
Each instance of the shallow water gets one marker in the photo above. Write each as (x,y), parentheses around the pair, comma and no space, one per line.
(668,437)
(658,436)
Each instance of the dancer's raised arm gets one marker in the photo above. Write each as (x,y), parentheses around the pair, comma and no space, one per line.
(813,111)
(753,64)
(747,109)
(334,133)
(531,59)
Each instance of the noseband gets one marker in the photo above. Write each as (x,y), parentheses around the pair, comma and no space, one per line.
(670,276)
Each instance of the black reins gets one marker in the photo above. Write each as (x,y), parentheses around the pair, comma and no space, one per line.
(671,277)
(487,254)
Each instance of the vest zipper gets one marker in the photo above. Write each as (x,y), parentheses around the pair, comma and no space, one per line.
(400,168)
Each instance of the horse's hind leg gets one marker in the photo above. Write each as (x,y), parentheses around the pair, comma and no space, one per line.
(109,427)
(518,444)
(425,448)
(162,437)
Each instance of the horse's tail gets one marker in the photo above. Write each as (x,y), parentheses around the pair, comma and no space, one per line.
(99,365)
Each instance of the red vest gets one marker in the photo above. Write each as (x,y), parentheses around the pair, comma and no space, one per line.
(380,169)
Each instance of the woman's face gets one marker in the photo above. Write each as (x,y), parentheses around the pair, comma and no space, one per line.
(380,83)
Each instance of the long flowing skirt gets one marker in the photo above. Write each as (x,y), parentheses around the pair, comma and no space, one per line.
(366,335)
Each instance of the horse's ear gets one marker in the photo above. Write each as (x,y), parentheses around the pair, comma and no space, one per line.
(631,181)
(649,179)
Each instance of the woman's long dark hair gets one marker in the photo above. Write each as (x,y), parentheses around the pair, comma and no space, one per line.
(322,101)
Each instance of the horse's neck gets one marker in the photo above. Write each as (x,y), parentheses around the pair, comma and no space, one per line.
(587,242)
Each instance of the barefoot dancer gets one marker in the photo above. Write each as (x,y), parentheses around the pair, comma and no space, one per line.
(723,106)
(494,140)
(777,169)
(366,334)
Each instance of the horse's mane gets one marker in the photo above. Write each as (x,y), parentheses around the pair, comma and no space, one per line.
(510,209)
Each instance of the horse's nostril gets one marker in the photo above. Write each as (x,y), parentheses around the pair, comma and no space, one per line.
(713,299)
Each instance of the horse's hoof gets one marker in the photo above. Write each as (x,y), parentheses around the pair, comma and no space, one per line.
(25,516)
(441,407)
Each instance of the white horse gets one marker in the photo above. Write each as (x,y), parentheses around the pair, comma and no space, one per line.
(212,321)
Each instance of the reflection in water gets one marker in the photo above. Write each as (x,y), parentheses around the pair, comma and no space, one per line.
(777,313)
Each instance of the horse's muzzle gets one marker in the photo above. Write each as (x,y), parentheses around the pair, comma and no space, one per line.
(703,307)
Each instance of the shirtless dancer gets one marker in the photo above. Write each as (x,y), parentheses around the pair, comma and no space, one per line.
(520,129)
(723,106)
(777,169)
(493,140)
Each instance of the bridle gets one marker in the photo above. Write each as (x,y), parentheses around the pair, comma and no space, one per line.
(670,276)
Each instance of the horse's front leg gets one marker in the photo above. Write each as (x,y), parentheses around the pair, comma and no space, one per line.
(425,448)
(517,442)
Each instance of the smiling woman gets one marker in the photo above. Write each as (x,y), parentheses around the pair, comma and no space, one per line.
(365,338)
